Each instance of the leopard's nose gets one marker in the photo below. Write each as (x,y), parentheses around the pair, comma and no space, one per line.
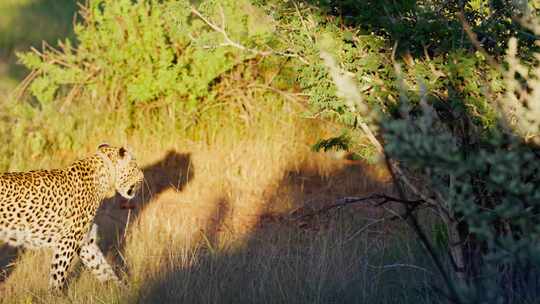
(131,190)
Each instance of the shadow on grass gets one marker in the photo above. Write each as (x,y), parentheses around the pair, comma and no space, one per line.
(173,171)
(282,260)
(8,255)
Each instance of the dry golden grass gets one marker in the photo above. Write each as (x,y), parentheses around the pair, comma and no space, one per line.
(213,225)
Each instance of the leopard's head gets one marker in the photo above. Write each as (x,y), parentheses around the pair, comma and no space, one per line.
(125,174)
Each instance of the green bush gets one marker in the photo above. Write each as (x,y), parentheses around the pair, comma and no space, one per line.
(152,66)
(485,184)
(155,54)
(142,51)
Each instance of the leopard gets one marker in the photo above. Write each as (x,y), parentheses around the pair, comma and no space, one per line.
(56,209)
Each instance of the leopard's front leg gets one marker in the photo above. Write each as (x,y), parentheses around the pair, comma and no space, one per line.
(93,258)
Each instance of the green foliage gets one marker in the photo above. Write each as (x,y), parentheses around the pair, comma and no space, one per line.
(19,20)
(137,54)
(491,186)
(341,142)
(143,50)
(488,184)
(441,119)
(435,26)
(455,77)
(142,65)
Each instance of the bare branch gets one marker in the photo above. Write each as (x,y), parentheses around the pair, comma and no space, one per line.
(376,199)
(230,42)
(221,30)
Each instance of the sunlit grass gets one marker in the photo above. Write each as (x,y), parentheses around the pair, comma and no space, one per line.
(214,240)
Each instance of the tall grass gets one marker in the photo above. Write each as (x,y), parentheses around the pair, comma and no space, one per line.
(213,223)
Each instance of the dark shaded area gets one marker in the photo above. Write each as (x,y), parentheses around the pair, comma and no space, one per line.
(29,25)
(279,262)
(8,256)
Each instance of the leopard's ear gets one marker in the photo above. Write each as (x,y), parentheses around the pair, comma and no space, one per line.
(103,145)
(124,152)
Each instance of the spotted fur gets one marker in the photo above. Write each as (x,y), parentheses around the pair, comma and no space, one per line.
(56,208)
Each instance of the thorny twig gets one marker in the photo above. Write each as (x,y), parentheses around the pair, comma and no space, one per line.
(221,30)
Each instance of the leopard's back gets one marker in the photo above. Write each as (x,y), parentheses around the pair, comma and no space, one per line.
(33,207)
